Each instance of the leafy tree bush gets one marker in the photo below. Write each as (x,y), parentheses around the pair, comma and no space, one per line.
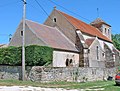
(38,55)
(116,40)
(34,55)
(10,56)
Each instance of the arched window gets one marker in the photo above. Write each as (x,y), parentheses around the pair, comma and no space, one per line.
(21,33)
(108,31)
(105,30)
(67,62)
(70,61)
(97,52)
(54,19)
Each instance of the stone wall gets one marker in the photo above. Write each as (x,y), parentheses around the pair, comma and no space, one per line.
(10,72)
(43,74)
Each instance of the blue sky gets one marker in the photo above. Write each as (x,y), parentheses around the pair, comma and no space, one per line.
(11,13)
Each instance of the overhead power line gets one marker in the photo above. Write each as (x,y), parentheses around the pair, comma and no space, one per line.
(42,8)
(47,14)
(69,11)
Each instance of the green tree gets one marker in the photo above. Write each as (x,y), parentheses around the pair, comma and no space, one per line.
(116,40)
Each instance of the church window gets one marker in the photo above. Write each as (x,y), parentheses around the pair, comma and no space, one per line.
(21,33)
(70,61)
(108,31)
(67,62)
(105,30)
(97,51)
(103,54)
(54,19)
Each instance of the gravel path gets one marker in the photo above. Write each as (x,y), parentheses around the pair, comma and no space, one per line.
(29,88)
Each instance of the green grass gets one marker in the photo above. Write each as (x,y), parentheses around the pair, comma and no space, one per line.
(107,85)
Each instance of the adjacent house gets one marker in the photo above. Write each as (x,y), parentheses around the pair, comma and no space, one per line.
(75,42)
(39,34)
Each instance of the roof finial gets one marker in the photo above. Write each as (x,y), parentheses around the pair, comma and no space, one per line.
(97,12)
(55,7)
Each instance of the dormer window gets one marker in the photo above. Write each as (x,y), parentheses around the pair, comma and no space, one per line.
(54,19)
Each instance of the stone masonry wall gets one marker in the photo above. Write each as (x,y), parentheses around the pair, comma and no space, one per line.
(42,74)
(10,72)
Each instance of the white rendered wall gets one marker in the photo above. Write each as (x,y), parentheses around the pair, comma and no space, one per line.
(59,58)
(86,36)
(110,45)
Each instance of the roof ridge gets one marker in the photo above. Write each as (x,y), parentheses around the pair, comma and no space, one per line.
(97,21)
(40,24)
(70,15)
(53,32)
(83,26)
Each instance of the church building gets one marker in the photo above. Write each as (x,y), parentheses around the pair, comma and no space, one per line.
(75,43)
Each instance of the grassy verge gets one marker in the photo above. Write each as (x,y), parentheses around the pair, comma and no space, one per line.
(107,85)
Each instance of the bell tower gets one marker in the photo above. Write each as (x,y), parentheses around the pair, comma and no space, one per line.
(102,26)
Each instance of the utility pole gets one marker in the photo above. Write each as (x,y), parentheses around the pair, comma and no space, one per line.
(23,41)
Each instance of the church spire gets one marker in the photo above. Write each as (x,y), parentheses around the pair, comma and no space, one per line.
(97,12)
(102,26)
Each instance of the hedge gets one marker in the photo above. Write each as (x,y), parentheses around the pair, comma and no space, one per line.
(34,55)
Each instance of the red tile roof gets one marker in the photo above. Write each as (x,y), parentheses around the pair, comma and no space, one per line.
(51,36)
(83,27)
(89,41)
(99,21)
